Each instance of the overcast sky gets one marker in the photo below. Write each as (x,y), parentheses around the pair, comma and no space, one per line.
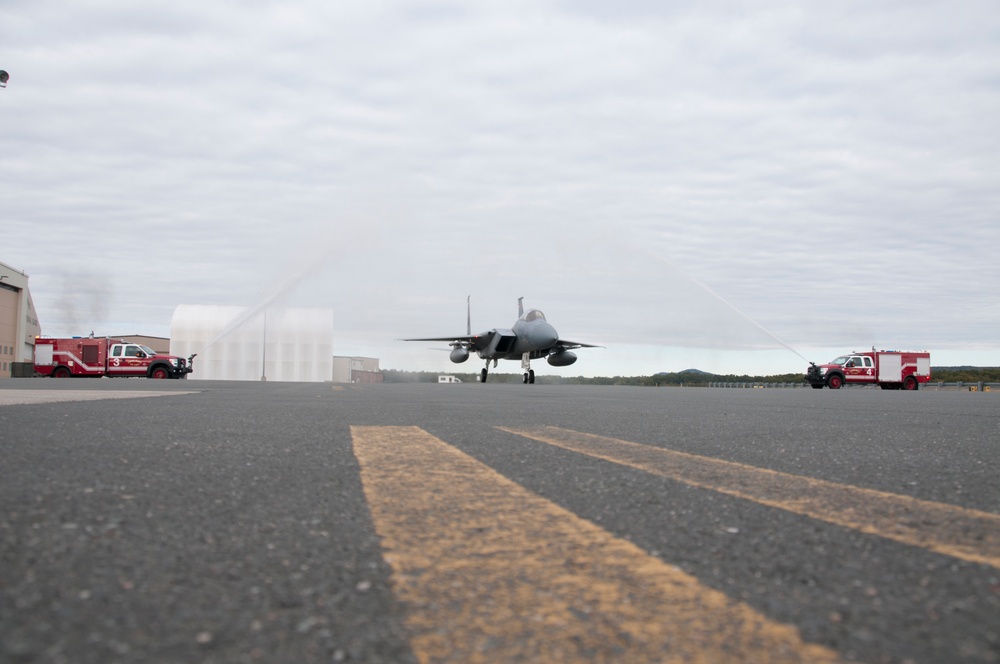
(736,187)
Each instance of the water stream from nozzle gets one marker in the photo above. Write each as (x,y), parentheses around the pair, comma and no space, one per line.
(277,292)
(721,299)
(746,317)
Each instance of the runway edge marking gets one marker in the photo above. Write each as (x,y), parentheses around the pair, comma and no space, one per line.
(490,572)
(959,532)
(22,397)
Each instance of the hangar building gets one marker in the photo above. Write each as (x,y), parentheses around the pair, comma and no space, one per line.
(18,324)
(356,370)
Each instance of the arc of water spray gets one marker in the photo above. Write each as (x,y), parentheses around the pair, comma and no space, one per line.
(748,318)
(318,255)
(718,297)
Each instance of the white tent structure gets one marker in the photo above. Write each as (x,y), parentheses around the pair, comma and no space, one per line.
(236,343)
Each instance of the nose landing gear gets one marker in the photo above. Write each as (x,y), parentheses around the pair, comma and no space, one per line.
(529,374)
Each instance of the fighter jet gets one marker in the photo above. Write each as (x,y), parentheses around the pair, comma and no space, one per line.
(530,338)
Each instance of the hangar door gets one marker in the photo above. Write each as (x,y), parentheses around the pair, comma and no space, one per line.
(8,329)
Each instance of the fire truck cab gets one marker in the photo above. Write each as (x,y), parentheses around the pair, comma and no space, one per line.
(889,369)
(88,356)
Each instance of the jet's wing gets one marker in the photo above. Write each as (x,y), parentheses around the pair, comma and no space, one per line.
(565,344)
(466,339)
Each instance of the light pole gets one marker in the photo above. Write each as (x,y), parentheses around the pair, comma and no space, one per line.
(263,351)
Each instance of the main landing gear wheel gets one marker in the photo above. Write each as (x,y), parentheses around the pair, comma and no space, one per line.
(482,375)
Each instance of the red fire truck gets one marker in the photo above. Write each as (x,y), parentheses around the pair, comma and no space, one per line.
(889,369)
(89,356)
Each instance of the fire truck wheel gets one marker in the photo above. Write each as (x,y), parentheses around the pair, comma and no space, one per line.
(910,383)
(159,373)
(60,372)
(835,382)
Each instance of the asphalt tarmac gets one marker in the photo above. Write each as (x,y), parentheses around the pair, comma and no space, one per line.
(202,521)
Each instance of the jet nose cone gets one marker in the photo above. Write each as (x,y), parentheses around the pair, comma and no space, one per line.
(543,335)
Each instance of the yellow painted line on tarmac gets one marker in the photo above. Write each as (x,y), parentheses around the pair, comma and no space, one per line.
(959,532)
(488,571)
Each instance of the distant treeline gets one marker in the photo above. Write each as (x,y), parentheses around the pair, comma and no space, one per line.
(686,378)
(966,374)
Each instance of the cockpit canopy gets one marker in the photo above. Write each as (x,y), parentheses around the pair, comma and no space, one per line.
(533,315)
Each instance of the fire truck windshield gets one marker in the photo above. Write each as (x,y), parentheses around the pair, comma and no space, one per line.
(842,360)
